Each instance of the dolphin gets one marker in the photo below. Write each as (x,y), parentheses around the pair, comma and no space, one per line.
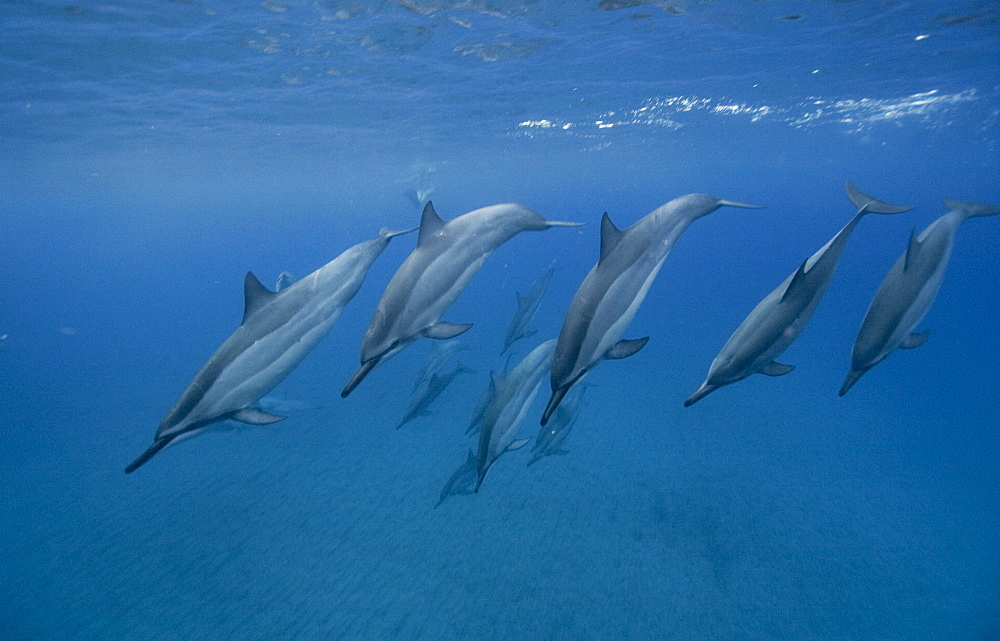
(908,291)
(527,307)
(551,437)
(512,398)
(429,392)
(778,320)
(461,481)
(439,354)
(447,256)
(614,289)
(277,332)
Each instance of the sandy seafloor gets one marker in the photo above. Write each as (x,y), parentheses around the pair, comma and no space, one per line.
(772,509)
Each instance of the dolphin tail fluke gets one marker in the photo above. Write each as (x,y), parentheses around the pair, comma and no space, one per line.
(148,454)
(851,379)
(702,392)
(561,223)
(868,205)
(363,371)
(971,209)
(388,234)
(554,400)
(733,203)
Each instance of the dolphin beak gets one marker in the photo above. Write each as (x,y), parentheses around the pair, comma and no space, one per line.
(360,375)
(702,392)
(851,379)
(556,398)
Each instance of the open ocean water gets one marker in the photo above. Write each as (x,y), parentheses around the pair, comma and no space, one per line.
(152,152)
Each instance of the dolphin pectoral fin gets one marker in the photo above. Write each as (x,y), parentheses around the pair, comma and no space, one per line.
(148,454)
(914,341)
(518,444)
(774,368)
(701,393)
(852,377)
(442,330)
(363,370)
(796,281)
(625,348)
(254,416)
(561,452)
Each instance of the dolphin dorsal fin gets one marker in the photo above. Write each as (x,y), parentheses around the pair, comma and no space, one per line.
(495,381)
(796,281)
(255,296)
(610,235)
(911,249)
(430,224)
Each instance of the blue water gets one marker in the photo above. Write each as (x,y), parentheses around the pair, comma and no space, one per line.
(153,152)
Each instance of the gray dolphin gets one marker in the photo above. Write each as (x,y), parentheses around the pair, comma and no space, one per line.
(527,308)
(614,289)
(778,320)
(438,355)
(908,291)
(429,392)
(277,332)
(461,481)
(551,437)
(511,401)
(447,256)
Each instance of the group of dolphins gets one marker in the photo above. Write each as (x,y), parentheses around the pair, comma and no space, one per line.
(280,327)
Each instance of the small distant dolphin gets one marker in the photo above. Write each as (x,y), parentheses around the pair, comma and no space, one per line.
(447,256)
(439,354)
(285,279)
(462,481)
(429,393)
(527,308)
(614,289)
(908,291)
(512,398)
(552,436)
(777,321)
(277,332)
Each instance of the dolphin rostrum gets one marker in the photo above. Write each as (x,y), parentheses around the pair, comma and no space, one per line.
(429,391)
(512,398)
(614,289)
(278,330)
(447,256)
(551,437)
(908,291)
(778,320)
(527,307)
